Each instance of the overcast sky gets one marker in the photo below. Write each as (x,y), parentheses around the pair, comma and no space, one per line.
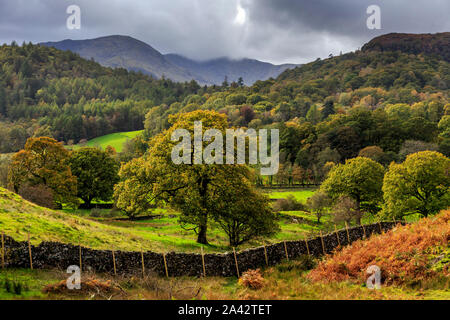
(277,31)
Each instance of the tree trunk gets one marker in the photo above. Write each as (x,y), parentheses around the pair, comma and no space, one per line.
(203,225)
(201,238)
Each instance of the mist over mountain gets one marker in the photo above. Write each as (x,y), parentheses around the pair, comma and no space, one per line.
(214,71)
(134,55)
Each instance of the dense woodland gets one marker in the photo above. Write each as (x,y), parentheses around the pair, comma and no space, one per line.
(356,124)
(44,91)
(327,111)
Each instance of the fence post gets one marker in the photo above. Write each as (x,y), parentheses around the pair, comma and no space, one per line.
(79,252)
(348,235)
(29,252)
(395,222)
(323,245)
(3,250)
(165,265)
(337,235)
(285,250)
(265,255)
(142,261)
(114,262)
(307,247)
(364,231)
(379,225)
(236,262)
(203,263)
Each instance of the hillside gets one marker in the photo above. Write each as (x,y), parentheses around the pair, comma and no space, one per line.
(407,254)
(115,140)
(370,69)
(134,55)
(46,91)
(18,216)
(432,44)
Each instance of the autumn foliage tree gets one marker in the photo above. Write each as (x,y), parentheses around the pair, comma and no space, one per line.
(193,189)
(43,162)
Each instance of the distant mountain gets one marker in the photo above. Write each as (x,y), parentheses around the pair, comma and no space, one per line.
(124,52)
(129,53)
(437,44)
(215,71)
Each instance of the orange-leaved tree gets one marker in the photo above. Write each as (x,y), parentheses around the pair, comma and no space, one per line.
(43,163)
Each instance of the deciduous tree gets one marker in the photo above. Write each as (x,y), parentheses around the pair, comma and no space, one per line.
(96,172)
(360,179)
(43,162)
(420,185)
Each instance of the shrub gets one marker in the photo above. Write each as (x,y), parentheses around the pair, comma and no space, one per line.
(8,286)
(288,204)
(39,194)
(17,288)
(346,209)
(252,279)
(96,213)
(304,263)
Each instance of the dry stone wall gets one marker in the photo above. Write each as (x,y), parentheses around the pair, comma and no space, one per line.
(50,255)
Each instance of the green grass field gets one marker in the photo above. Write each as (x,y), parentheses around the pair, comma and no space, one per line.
(115,140)
(162,233)
(103,232)
(300,194)
(285,281)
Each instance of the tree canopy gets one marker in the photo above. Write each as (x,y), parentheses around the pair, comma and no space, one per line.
(196,190)
(96,173)
(421,184)
(360,179)
(43,161)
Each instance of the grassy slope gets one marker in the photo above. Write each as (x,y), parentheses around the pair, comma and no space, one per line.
(18,217)
(115,140)
(289,280)
(300,195)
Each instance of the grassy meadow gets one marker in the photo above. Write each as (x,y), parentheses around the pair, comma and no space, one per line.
(100,228)
(115,140)
(161,232)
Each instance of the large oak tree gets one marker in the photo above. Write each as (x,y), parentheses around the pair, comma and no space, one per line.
(196,190)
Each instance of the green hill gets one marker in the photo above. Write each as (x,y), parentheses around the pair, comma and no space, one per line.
(115,140)
(18,217)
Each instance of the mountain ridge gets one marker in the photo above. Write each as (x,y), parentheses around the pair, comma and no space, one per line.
(135,55)
(413,43)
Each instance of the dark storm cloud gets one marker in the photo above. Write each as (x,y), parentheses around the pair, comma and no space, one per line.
(272,30)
